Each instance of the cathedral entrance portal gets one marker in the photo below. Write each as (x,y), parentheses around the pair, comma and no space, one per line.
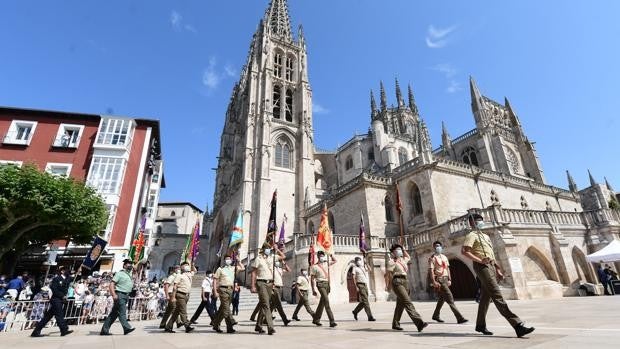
(463,281)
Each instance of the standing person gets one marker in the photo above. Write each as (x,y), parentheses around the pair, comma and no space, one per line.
(235,298)
(280,268)
(171,302)
(439,269)
(223,283)
(180,295)
(478,247)
(319,277)
(603,278)
(119,289)
(303,287)
(59,288)
(15,286)
(397,271)
(205,296)
(262,282)
(360,275)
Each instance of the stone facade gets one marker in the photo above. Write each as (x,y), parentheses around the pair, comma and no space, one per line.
(542,233)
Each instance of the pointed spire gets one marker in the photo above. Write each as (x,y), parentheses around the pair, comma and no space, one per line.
(412,105)
(609,185)
(373,105)
(383,98)
(592,180)
(444,131)
(278,19)
(424,143)
(399,95)
(475,95)
(446,140)
(300,35)
(572,186)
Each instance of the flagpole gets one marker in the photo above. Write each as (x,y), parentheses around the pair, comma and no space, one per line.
(400,214)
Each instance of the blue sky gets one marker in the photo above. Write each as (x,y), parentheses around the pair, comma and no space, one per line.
(177,61)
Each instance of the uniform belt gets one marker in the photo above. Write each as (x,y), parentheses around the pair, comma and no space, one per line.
(266,281)
(276,286)
(322,281)
(183,293)
(361,283)
(442,277)
(121,292)
(226,287)
(400,277)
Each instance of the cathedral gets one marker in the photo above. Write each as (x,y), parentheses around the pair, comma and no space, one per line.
(541,233)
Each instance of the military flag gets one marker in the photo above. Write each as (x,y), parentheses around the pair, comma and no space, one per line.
(236,236)
(324,237)
(136,251)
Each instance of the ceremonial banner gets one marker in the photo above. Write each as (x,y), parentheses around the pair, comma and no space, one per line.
(136,252)
(236,236)
(94,253)
(324,238)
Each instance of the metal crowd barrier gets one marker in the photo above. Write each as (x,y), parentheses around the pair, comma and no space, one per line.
(24,315)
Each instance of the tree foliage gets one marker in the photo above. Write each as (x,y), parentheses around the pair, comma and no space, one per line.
(37,208)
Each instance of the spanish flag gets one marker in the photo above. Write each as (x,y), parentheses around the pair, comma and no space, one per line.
(324,237)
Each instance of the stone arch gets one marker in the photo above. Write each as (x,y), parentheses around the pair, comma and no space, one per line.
(583,268)
(170,260)
(389,209)
(463,280)
(331,221)
(537,266)
(284,150)
(310,228)
(560,264)
(415,196)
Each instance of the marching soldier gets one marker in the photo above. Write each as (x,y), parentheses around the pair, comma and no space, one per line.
(280,268)
(303,287)
(223,283)
(59,288)
(319,276)
(262,282)
(439,270)
(478,247)
(397,270)
(168,286)
(180,295)
(120,287)
(360,275)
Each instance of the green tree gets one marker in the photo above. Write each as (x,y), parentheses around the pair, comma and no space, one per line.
(613,204)
(37,208)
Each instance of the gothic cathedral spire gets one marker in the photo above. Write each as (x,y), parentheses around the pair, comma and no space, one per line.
(572,186)
(383,97)
(399,95)
(412,105)
(373,106)
(592,180)
(277,19)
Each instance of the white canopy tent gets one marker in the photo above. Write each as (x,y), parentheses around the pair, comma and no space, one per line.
(610,253)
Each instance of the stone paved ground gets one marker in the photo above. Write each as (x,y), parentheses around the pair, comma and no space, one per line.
(560,323)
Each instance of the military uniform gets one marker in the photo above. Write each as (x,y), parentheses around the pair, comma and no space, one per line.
(360,275)
(400,284)
(320,272)
(275,297)
(482,247)
(263,265)
(439,268)
(123,284)
(303,286)
(59,288)
(225,278)
(183,285)
(170,305)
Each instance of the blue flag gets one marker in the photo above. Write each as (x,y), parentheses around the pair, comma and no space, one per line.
(94,253)
(236,236)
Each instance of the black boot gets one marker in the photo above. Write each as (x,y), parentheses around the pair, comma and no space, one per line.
(521,330)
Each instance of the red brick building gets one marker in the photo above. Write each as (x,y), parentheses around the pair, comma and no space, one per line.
(118,156)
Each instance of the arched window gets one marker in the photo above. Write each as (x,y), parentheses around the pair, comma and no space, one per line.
(469,156)
(284,152)
(277,93)
(310,228)
(409,128)
(389,209)
(513,161)
(348,164)
(277,64)
(289,68)
(416,200)
(172,214)
(288,111)
(402,156)
(331,222)
(371,155)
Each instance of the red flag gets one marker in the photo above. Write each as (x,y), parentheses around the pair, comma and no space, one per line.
(324,238)
(399,204)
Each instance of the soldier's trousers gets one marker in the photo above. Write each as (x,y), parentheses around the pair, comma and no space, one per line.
(169,310)
(180,311)
(303,301)
(445,296)
(119,311)
(362,293)
(276,303)
(223,313)
(489,291)
(324,290)
(265,291)
(55,310)
(400,285)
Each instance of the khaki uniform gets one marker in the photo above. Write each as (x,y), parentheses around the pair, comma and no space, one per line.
(183,284)
(439,266)
(170,305)
(320,272)
(303,287)
(275,297)
(400,285)
(482,247)
(360,275)
(264,283)
(225,277)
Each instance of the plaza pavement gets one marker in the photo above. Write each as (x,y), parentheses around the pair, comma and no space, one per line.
(576,322)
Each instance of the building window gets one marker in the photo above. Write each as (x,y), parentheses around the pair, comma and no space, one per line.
(469,156)
(277,94)
(151,203)
(10,162)
(402,156)
(348,164)
(106,173)
(284,152)
(389,209)
(289,68)
(172,214)
(288,111)
(513,161)
(68,136)
(277,65)
(114,132)
(409,128)
(20,132)
(57,169)
(105,234)
(371,155)
(416,200)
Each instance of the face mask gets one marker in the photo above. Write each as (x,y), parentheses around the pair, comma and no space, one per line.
(186,268)
(228,261)
(211,275)
(359,263)
(438,249)
(399,253)
(480,224)
(267,251)
(304,273)
(278,264)
(128,267)
(323,259)
(178,271)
